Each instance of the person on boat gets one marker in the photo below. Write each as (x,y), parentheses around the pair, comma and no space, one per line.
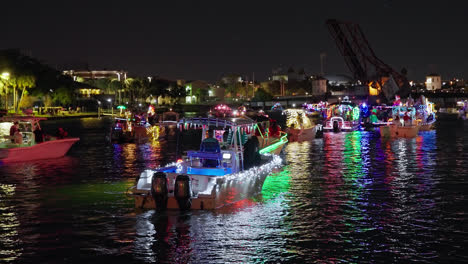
(274,130)
(430,117)
(210,144)
(407,119)
(38,135)
(396,121)
(18,137)
(61,133)
(13,129)
(260,130)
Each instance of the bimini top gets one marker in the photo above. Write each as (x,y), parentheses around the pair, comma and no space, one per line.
(239,121)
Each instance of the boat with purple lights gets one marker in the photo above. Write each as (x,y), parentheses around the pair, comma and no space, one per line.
(230,166)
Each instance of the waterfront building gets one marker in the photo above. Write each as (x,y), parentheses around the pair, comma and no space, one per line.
(319,86)
(197,91)
(82,75)
(433,82)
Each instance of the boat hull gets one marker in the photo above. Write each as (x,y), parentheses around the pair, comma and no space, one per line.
(213,192)
(46,150)
(426,126)
(301,134)
(341,126)
(399,131)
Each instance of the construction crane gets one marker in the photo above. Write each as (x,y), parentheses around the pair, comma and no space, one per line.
(364,64)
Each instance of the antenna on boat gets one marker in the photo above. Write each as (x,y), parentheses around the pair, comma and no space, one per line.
(177,142)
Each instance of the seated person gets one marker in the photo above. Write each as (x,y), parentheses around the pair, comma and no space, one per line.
(210,144)
(61,133)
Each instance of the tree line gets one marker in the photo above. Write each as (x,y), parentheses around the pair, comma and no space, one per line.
(25,81)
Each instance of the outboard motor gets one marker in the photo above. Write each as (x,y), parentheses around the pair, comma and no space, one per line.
(336,126)
(183,191)
(319,131)
(159,190)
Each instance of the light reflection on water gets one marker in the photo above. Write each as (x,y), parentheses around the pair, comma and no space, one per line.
(349,197)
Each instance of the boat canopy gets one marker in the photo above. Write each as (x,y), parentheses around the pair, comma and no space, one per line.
(227,122)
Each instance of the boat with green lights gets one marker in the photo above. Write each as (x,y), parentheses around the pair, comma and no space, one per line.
(231,165)
(342,117)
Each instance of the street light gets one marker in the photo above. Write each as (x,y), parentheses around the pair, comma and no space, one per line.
(110,103)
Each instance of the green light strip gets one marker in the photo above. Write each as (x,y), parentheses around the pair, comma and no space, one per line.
(272,147)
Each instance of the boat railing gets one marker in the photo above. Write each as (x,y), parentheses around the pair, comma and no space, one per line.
(275,143)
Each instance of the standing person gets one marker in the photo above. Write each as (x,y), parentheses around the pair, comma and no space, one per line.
(274,130)
(13,129)
(38,135)
(396,121)
(406,119)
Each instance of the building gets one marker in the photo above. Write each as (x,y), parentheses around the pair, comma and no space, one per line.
(282,75)
(197,91)
(339,79)
(81,75)
(85,74)
(433,82)
(319,86)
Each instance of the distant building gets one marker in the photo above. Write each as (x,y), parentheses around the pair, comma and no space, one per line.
(231,79)
(88,74)
(279,74)
(338,79)
(319,86)
(196,91)
(433,82)
(85,74)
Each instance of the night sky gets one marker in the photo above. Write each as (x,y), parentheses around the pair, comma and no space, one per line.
(207,39)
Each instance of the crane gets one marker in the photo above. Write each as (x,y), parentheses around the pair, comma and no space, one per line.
(363,63)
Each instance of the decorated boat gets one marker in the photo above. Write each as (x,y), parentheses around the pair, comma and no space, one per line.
(130,129)
(403,123)
(373,117)
(28,143)
(425,115)
(165,127)
(229,166)
(299,126)
(342,117)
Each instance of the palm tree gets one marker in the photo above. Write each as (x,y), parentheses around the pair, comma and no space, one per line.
(116,86)
(4,90)
(23,82)
(134,88)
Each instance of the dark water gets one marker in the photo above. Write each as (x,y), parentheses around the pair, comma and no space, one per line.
(349,197)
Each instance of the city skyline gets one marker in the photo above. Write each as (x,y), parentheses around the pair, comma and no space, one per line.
(189,40)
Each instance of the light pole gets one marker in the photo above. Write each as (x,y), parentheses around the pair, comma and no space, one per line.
(112,108)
